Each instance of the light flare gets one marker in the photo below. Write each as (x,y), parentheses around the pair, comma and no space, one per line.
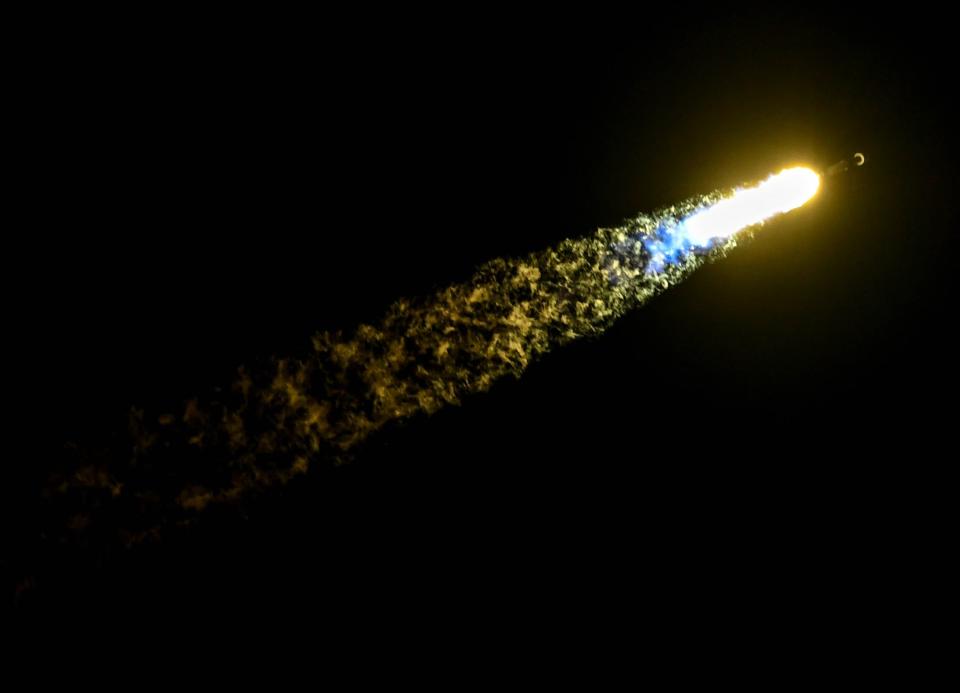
(746,207)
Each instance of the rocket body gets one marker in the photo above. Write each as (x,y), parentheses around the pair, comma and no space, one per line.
(845,165)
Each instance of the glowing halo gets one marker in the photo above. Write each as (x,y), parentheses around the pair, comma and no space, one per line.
(859,158)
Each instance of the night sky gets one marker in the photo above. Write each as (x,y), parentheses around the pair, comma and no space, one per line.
(210,192)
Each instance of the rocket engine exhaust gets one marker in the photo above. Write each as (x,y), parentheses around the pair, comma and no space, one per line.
(423,355)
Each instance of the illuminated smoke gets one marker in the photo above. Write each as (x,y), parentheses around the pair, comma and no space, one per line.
(423,355)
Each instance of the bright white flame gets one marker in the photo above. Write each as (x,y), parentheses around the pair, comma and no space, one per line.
(779,193)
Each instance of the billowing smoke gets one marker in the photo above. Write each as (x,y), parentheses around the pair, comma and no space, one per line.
(276,422)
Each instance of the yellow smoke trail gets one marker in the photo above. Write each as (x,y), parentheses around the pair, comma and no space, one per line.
(274,424)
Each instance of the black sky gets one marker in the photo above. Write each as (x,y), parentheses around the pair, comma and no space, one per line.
(209,192)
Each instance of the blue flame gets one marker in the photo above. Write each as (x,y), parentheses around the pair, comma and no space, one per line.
(669,243)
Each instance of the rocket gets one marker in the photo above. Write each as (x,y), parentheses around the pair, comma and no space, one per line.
(845,165)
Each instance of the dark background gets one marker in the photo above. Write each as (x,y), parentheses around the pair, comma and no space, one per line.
(763,441)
